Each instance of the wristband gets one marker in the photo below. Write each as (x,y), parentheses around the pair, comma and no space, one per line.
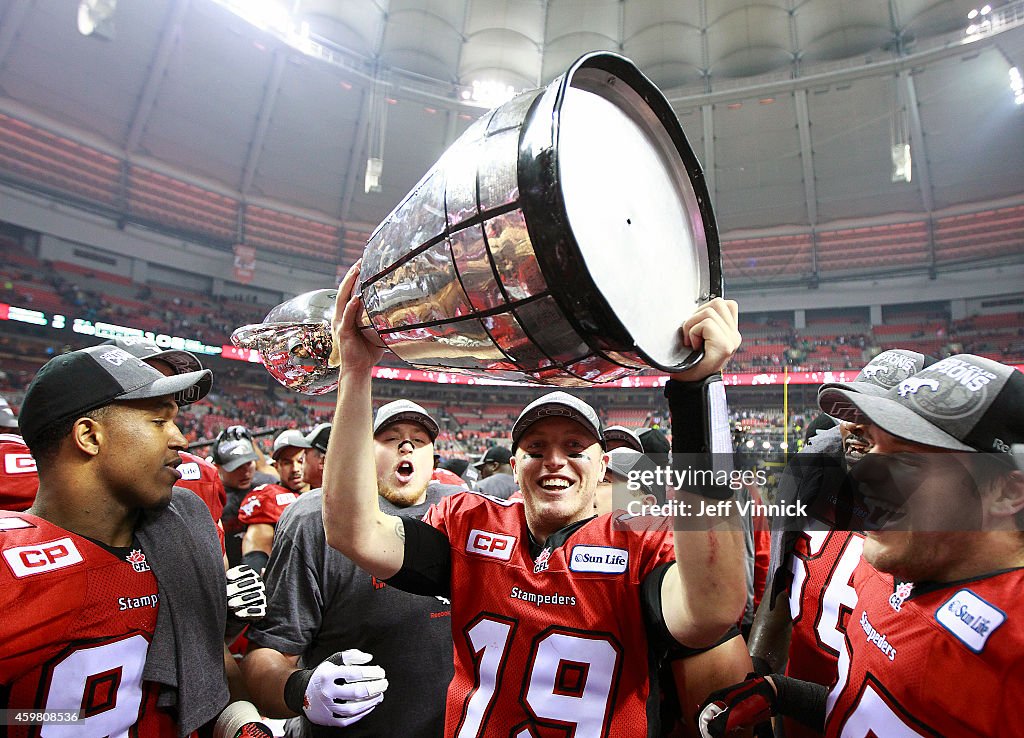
(803,701)
(295,690)
(257,560)
(700,429)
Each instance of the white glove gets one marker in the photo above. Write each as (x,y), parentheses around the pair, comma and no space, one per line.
(247,595)
(342,691)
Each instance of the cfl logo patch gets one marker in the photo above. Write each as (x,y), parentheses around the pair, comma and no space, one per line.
(492,545)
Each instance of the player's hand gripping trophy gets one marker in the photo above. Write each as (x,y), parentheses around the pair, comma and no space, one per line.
(559,241)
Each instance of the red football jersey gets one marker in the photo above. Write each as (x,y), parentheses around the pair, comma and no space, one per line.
(18,478)
(945,662)
(265,504)
(551,646)
(76,629)
(200,476)
(444,476)
(821,599)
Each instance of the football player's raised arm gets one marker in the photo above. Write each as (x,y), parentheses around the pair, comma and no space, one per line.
(353,521)
(705,592)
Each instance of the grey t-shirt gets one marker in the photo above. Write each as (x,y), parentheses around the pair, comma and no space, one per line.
(320,603)
(500,485)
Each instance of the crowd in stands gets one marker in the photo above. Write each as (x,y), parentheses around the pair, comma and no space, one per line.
(245,394)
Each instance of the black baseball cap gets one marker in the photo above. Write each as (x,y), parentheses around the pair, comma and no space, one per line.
(7,417)
(624,434)
(962,403)
(72,384)
(181,361)
(555,405)
(654,441)
(399,410)
(885,371)
(318,437)
(499,454)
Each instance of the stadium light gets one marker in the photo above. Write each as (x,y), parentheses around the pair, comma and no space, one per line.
(488,93)
(96,18)
(1017,85)
(274,18)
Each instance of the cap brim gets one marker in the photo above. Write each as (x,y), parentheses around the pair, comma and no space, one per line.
(238,461)
(524,422)
(887,414)
(7,419)
(633,444)
(864,388)
(411,417)
(182,361)
(172,385)
(277,453)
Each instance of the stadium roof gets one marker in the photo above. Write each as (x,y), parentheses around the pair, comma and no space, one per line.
(793,106)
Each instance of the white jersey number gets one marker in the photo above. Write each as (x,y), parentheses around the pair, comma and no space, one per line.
(874,717)
(570,681)
(105,682)
(839,594)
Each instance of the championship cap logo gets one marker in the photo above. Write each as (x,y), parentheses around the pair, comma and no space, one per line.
(952,388)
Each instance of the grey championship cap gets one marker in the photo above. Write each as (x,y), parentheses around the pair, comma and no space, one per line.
(7,416)
(625,436)
(557,405)
(885,371)
(72,384)
(318,437)
(962,403)
(290,437)
(399,410)
(624,462)
(181,361)
(498,454)
(233,448)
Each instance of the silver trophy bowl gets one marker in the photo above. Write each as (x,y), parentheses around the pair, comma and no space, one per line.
(561,240)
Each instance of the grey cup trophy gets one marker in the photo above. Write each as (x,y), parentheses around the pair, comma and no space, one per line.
(561,240)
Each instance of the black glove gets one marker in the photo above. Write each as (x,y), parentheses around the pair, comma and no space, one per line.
(748,704)
(235,433)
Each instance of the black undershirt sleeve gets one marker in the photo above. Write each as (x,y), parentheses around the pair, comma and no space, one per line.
(658,635)
(427,568)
